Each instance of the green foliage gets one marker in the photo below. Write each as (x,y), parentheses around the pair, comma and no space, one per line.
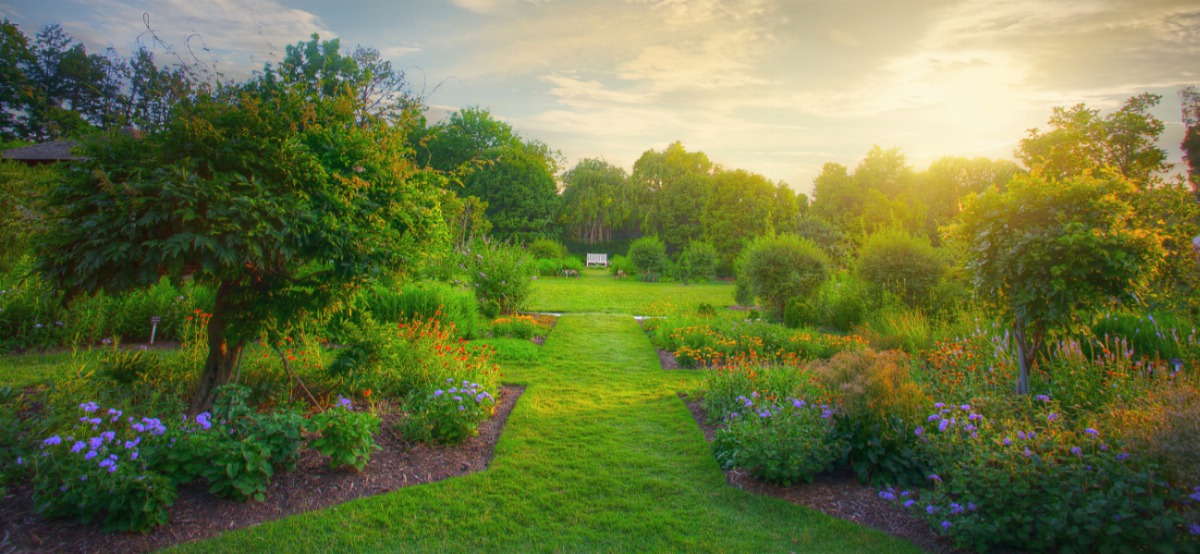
(22,189)
(517,327)
(842,303)
(129,366)
(740,206)
(397,361)
(698,262)
(501,274)
(901,264)
(598,201)
(451,305)
(649,256)
(779,268)
(448,416)
(546,248)
(780,443)
(678,184)
(896,326)
(238,470)
(345,435)
(622,263)
(1048,254)
(728,387)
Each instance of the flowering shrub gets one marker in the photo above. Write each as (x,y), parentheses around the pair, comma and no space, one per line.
(518,327)
(501,274)
(778,442)
(449,416)
(1039,484)
(699,341)
(97,472)
(727,387)
(346,436)
(415,356)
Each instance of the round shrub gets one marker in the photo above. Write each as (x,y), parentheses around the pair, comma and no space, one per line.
(781,443)
(547,248)
(501,275)
(782,267)
(622,263)
(649,257)
(899,263)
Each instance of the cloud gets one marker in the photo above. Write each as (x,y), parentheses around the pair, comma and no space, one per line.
(843,38)
(10,12)
(236,36)
(398,51)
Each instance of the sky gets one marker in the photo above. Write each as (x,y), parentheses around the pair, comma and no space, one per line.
(777,87)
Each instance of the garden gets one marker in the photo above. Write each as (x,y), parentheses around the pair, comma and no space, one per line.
(293,313)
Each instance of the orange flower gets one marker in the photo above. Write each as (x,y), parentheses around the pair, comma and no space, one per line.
(366,393)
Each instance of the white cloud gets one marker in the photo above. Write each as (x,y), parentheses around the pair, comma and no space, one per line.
(10,12)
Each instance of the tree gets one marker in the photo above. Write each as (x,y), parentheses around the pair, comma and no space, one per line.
(778,268)
(1080,142)
(271,191)
(698,262)
(1189,100)
(949,180)
(15,89)
(597,201)
(878,195)
(649,257)
(740,206)
(1049,253)
(900,263)
(676,184)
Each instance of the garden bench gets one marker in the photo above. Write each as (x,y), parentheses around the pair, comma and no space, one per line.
(597,259)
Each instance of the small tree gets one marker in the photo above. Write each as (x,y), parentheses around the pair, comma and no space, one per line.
(649,256)
(1049,253)
(779,268)
(273,192)
(899,263)
(698,261)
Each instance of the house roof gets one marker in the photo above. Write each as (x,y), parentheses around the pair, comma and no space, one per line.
(59,150)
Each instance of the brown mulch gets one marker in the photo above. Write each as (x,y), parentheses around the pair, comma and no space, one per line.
(311,486)
(667,359)
(839,495)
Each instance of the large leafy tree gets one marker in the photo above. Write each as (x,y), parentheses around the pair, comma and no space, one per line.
(1050,253)
(878,195)
(1189,100)
(1079,140)
(274,192)
(597,200)
(675,184)
(947,181)
(743,205)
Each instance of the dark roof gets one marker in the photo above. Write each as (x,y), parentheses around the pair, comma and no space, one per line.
(59,150)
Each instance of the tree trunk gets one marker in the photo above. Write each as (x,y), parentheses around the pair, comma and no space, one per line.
(222,356)
(1027,348)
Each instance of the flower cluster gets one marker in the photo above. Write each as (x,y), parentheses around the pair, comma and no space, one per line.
(449,415)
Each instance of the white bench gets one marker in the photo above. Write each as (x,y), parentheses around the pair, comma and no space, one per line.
(597,259)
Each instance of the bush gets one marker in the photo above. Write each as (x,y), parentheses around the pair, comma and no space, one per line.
(622,263)
(899,327)
(425,300)
(501,275)
(547,249)
(346,436)
(781,443)
(649,257)
(448,416)
(400,360)
(779,268)
(698,262)
(841,304)
(897,262)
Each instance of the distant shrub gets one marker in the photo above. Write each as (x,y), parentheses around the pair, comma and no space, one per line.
(698,262)
(779,268)
(897,262)
(547,248)
(501,275)
(620,263)
(649,257)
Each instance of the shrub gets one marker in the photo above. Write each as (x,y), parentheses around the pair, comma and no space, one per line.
(519,327)
(572,263)
(781,443)
(897,262)
(424,300)
(897,326)
(698,262)
(448,416)
(649,257)
(129,366)
(841,304)
(727,387)
(779,268)
(547,249)
(501,275)
(346,436)
(622,263)
(400,360)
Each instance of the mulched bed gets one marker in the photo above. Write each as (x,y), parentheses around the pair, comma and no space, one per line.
(838,495)
(311,486)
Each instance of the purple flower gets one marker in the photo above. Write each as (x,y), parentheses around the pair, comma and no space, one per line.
(203,420)
(956,508)
(129,445)
(971,506)
(1020,434)
(1007,441)
(1027,452)
(345,403)
(974,417)
(1032,435)
(108,436)
(920,432)
(931,509)
(1052,417)
(1194,529)
(965,407)
(83,477)
(1043,398)
(943,425)
(887,495)
(909,503)
(1076,451)
(458,399)
(733,415)
(88,407)
(438,393)
(933,477)
(461,408)
(78,447)
(798,403)
(1092,432)
(939,405)
(826,414)
(95,443)
(946,525)
(91,454)
(1123,456)
(933,418)
(52,441)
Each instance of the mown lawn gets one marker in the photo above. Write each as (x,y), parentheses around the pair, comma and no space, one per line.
(595,291)
(600,455)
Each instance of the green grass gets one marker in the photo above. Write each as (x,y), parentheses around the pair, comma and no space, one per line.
(21,370)
(598,292)
(600,455)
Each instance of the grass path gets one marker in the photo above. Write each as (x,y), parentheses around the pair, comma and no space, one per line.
(600,455)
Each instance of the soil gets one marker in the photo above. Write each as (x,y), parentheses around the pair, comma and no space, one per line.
(312,485)
(839,495)
(667,359)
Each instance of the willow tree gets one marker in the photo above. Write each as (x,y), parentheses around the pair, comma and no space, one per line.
(275,193)
(597,200)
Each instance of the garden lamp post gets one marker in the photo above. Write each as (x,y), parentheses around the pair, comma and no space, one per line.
(154,321)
